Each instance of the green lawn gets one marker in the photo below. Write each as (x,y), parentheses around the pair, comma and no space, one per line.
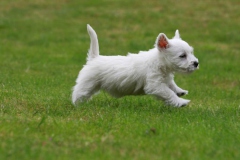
(43,45)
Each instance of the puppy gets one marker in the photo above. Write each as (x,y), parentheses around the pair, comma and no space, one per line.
(148,72)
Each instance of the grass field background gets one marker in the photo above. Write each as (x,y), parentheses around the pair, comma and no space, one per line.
(43,45)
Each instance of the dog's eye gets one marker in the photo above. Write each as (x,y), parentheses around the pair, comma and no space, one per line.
(184,55)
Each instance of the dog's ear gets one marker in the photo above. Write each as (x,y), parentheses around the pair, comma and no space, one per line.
(177,35)
(162,42)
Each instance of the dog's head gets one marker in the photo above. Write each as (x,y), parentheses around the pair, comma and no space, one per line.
(178,53)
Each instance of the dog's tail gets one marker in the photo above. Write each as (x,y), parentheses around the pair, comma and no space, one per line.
(93,52)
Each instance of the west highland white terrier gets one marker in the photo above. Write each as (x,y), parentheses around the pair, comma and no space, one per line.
(148,72)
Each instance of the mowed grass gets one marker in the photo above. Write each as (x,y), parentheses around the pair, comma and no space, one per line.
(43,45)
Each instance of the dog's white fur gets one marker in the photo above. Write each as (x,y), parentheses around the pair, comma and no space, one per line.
(148,72)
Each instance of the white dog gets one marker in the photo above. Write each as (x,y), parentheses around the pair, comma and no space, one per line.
(148,72)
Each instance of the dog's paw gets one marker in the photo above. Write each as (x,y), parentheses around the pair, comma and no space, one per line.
(183,102)
(182,93)
(180,102)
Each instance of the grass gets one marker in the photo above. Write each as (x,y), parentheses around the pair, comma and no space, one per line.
(43,46)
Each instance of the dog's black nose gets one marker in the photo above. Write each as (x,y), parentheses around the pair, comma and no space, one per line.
(195,64)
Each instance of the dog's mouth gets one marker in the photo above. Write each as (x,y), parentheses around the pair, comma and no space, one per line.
(189,69)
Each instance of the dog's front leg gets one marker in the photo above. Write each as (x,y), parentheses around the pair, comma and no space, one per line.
(180,92)
(162,91)
(173,86)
